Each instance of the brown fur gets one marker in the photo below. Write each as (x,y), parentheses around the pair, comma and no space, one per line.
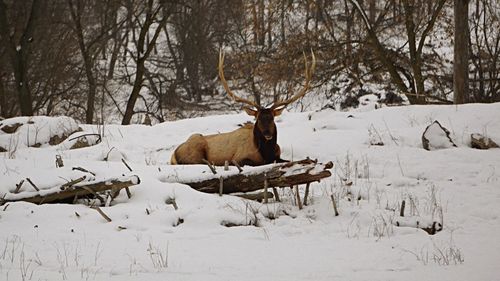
(237,145)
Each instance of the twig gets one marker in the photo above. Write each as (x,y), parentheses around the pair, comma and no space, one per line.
(109,198)
(212,168)
(237,165)
(390,134)
(402,211)
(266,185)
(18,186)
(102,213)
(171,201)
(73,182)
(83,170)
(306,193)
(107,154)
(126,165)
(32,184)
(59,161)
(89,134)
(5,207)
(400,167)
(221,185)
(334,206)
(276,195)
(298,197)
(129,194)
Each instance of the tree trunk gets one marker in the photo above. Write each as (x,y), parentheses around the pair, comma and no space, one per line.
(282,21)
(3,101)
(382,54)
(144,48)
(88,63)
(348,45)
(18,53)
(262,26)
(461,52)
(415,55)
(139,74)
(372,10)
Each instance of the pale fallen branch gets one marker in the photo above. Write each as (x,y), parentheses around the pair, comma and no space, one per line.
(430,226)
(102,213)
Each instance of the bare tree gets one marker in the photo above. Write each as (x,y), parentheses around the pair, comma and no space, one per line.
(93,25)
(484,46)
(461,51)
(155,17)
(18,52)
(414,88)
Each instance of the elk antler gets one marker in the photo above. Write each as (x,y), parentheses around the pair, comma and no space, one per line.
(224,83)
(308,73)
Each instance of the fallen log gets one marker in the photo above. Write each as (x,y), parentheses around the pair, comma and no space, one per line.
(66,193)
(428,225)
(277,175)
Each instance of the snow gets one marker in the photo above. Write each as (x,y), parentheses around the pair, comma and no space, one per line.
(35,131)
(148,239)
(437,137)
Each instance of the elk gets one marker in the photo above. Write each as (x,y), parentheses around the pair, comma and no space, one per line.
(252,144)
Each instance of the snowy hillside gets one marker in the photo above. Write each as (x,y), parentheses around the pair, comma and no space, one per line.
(149,239)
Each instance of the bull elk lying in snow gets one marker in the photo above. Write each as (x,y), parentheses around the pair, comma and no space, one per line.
(252,144)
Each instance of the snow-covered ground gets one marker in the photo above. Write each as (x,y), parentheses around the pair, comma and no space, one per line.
(149,240)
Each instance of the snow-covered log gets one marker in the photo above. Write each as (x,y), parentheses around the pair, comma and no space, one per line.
(72,190)
(428,225)
(277,175)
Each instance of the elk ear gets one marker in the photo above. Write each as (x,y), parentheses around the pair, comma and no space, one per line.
(250,111)
(278,111)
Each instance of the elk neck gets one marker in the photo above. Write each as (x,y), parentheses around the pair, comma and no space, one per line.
(267,148)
